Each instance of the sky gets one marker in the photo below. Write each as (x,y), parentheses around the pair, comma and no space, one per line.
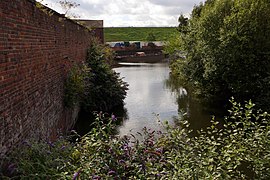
(128,13)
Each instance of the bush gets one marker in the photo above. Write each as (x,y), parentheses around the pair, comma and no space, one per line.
(105,89)
(39,160)
(75,84)
(227,50)
(93,84)
(239,149)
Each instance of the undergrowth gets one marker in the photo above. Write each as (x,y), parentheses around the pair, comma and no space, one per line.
(239,149)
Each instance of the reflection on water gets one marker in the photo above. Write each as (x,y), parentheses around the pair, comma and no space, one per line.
(147,96)
(152,95)
(197,115)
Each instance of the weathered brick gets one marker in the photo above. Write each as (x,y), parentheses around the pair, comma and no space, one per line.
(33,52)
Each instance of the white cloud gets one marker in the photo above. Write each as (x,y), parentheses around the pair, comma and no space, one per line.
(117,13)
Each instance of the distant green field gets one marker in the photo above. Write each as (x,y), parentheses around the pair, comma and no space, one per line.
(137,33)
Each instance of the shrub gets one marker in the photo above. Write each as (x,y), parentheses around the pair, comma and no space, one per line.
(105,88)
(93,84)
(238,149)
(75,84)
(226,46)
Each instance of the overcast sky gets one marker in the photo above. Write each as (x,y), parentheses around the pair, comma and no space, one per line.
(126,13)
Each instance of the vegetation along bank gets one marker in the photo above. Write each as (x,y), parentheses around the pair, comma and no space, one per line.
(221,51)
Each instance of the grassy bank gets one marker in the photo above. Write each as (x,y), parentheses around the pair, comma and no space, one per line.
(137,33)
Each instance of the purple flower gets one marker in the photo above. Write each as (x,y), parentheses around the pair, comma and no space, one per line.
(76,174)
(63,147)
(125,147)
(113,117)
(159,150)
(51,144)
(122,161)
(111,172)
(26,143)
(12,168)
(96,177)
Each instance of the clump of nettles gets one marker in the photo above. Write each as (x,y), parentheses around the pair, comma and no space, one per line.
(239,149)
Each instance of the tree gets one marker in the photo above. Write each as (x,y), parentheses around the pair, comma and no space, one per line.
(67,6)
(183,22)
(227,48)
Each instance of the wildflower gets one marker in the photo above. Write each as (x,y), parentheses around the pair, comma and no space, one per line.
(121,161)
(159,150)
(12,168)
(113,117)
(111,172)
(26,143)
(76,174)
(51,144)
(125,147)
(96,177)
(63,147)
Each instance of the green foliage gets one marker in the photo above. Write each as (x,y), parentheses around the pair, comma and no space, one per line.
(137,33)
(227,46)
(43,8)
(39,160)
(172,46)
(239,149)
(105,88)
(183,22)
(94,85)
(151,37)
(75,84)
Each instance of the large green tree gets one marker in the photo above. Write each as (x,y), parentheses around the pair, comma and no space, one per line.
(227,48)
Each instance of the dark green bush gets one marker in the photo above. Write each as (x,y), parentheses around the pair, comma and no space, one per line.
(105,89)
(94,85)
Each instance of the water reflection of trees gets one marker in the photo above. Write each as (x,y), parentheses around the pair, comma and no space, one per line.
(188,107)
(182,96)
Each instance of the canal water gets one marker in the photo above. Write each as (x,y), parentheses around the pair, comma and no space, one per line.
(151,98)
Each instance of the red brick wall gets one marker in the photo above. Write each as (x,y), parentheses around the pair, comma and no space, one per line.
(99,33)
(34,48)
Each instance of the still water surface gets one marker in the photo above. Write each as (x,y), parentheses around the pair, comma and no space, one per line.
(150,98)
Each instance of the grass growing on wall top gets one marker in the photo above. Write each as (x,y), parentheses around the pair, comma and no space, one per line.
(137,33)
